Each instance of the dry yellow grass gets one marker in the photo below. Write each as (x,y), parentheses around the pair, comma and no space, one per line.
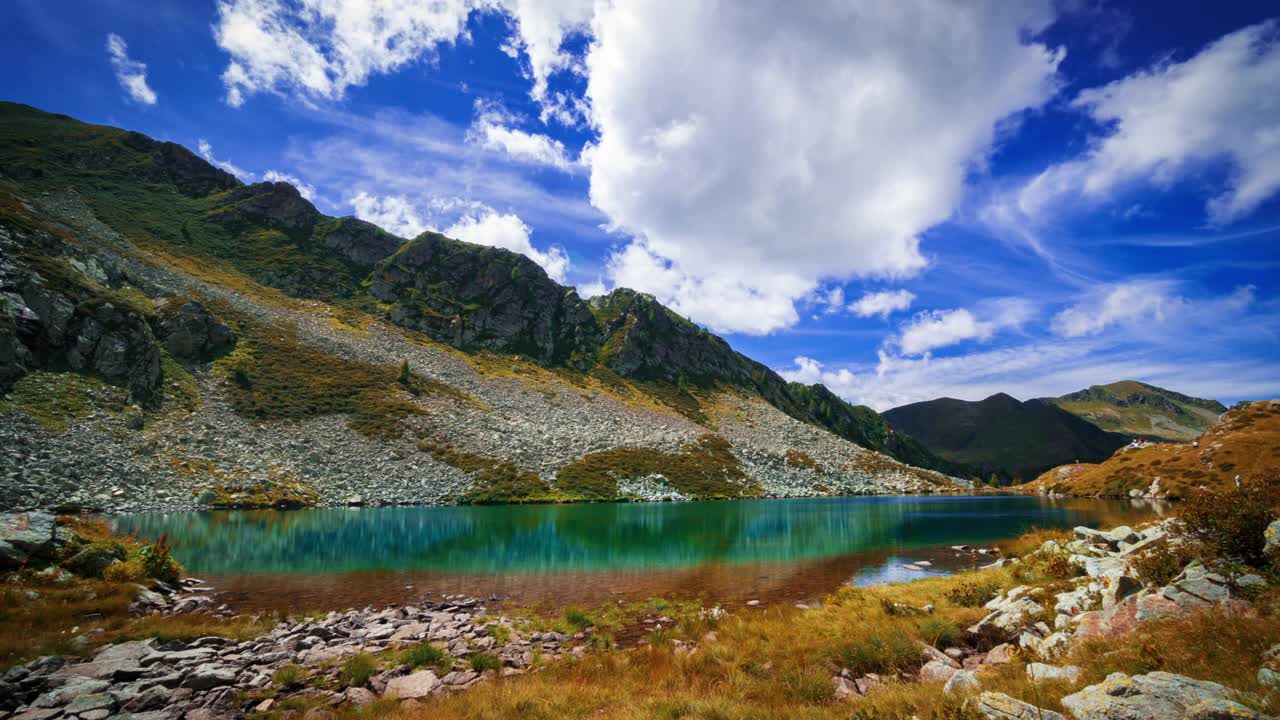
(1244,443)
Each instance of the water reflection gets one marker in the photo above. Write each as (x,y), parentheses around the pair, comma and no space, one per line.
(555,539)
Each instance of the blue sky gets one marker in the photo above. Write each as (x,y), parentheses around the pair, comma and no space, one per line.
(900,200)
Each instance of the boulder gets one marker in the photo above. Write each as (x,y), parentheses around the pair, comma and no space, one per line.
(936,671)
(90,703)
(1119,588)
(1271,541)
(1000,655)
(188,330)
(119,662)
(843,687)
(27,536)
(91,561)
(1039,672)
(1009,612)
(208,676)
(1155,696)
(998,706)
(419,684)
(963,681)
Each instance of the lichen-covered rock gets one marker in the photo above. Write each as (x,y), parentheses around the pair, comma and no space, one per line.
(1009,612)
(189,330)
(963,681)
(998,706)
(1155,696)
(27,536)
(416,685)
(1039,672)
(1271,541)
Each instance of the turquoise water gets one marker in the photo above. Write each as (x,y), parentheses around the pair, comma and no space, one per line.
(792,548)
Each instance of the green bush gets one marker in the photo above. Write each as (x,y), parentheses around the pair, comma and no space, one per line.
(288,675)
(882,654)
(939,632)
(576,618)
(485,661)
(973,594)
(158,561)
(1229,525)
(356,670)
(811,686)
(1160,565)
(423,654)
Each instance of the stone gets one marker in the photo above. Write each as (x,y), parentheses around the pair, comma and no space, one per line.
(1119,588)
(1054,645)
(91,561)
(26,536)
(1039,672)
(419,684)
(962,681)
(188,330)
(87,703)
(936,671)
(359,696)
(1155,696)
(208,676)
(998,706)
(122,661)
(75,687)
(153,698)
(843,687)
(1103,567)
(999,655)
(1271,540)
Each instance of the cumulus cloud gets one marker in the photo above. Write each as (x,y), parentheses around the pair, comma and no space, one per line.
(468,221)
(883,303)
(933,329)
(846,168)
(319,48)
(540,29)
(131,74)
(1177,117)
(1141,304)
(492,130)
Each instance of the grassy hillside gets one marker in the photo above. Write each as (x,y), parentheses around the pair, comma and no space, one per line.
(1244,443)
(1140,410)
(1001,435)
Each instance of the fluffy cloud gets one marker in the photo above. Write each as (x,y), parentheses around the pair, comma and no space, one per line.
(304,189)
(1143,305)
(491,130)
(472,222)
(541,27)
(935,329)
(1177,117)
(206,151)
(882,303)
(319,48)
(131,74)
(846,167)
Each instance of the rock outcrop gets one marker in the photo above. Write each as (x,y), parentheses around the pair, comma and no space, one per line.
(1156,696)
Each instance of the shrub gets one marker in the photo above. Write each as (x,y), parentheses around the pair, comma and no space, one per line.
(972,594)
(1160,565)
(485,661)
(1230,524)
(883,654)
(288,675)
(1059,567)
(131,571)
(356,670)
(423,654)
(158,562)
(808,685)
(939,632)
(575,617)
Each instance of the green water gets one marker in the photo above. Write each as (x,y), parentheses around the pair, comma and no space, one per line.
(550,539)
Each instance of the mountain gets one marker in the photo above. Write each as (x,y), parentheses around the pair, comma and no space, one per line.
(1002,435)
(167,331)
(1241,444)
(1140,410)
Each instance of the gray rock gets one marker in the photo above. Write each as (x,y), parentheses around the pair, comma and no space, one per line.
(91,561)
(963,681)
(26,536)
(208,676)
(416,685)
(87,703)
(936,671)
(188,330)
(1271,540)
(1038,672)
(74,688)
(998,706)
(1155,696)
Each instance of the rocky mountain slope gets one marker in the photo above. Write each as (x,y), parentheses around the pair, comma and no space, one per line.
(1003,436)
(1140,410)
(1244,443)
(170,336)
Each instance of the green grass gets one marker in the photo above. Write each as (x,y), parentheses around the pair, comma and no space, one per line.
(480,662)
(706,468)
(357,669)
(57,400)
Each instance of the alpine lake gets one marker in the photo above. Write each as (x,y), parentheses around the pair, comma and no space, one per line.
(726,552)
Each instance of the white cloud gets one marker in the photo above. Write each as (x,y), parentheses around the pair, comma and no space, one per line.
(1177,117)
(395,214)
(541,27)
(933,329)
(304,189)
(491,130)
(131,74)
(509,231)
(846,167)
(883,303)
(319,48)
(206,151)
(1141,306)
(468,221)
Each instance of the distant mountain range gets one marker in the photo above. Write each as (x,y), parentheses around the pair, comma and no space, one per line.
(1016,440)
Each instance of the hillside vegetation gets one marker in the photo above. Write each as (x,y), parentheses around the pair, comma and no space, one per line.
(168,333)
(1244,443)
(1141,410)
